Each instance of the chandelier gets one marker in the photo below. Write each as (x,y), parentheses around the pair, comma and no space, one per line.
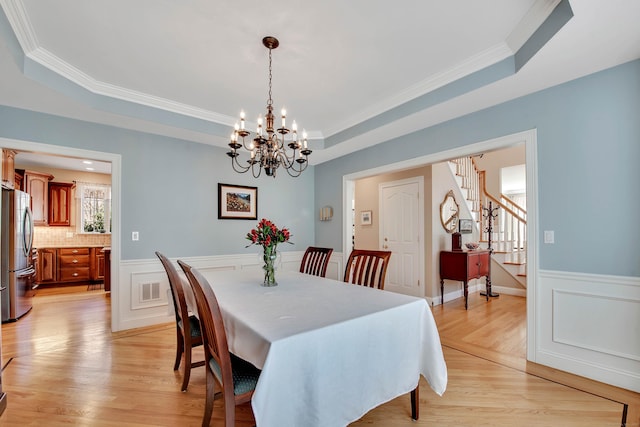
(270,148)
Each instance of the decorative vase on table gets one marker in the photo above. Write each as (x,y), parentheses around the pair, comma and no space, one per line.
(269,267)
(268,236)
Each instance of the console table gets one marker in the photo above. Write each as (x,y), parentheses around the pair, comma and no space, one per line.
(464,266)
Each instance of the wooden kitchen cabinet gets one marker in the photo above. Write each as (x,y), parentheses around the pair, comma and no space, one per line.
(60,203)
(37,185)
(46,265)
(8,168)
(18,180)
(464,266)
(67,265)
(97,265)
(74,264)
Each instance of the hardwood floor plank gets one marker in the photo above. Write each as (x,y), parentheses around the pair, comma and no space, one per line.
(67,368)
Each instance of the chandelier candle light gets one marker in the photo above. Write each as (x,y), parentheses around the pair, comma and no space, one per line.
(269,151)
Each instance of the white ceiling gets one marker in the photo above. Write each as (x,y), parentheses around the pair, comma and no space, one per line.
(339,62)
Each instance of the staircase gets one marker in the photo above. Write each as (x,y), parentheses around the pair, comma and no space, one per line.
(509,224)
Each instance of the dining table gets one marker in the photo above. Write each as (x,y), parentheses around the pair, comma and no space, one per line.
(329,351)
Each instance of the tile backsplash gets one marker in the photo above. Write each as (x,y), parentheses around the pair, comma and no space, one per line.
(67,236)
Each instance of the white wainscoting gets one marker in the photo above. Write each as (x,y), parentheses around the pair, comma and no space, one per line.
(589,325)
(137,310)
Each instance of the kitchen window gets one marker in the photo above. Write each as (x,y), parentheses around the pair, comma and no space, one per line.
(94,208)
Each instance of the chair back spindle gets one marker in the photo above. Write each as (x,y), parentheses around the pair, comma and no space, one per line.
(315,261)
(367,268)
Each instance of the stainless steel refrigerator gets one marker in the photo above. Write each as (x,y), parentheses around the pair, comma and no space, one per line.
(18,272)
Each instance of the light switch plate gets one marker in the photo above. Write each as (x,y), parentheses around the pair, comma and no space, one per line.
(135,236)
(549,236)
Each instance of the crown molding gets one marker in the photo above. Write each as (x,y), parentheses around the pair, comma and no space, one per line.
(532,20)
(17,17)
(74,75)
(475,63)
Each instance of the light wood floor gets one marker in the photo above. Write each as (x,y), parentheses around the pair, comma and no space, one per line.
(64,367)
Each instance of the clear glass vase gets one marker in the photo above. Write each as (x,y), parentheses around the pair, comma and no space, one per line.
(269,267)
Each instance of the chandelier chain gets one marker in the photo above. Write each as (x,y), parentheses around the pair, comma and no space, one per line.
(270,101)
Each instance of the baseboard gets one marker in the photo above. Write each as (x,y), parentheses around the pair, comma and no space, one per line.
(631,399)
(459,293)
(509,291)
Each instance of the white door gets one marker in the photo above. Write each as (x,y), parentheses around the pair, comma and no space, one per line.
(401,232)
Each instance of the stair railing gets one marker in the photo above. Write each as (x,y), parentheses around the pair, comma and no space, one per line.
(510,226)
(509,229)
(467,170)
(521,229)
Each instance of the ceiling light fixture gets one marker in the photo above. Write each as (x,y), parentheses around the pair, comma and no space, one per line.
(269,151)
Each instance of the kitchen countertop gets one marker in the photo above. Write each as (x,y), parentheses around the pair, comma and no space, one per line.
(72,246)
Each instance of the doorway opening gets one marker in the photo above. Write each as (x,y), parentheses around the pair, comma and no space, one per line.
(115,161)
(528,138)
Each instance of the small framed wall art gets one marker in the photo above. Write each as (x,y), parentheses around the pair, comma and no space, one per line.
(237,202)
(365,218)
(465,226)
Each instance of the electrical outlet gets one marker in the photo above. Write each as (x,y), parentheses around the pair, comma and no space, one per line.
(135,236)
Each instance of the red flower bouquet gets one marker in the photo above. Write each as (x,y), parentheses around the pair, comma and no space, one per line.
(268,236)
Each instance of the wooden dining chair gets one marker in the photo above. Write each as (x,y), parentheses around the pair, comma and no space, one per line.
(236,377)
(315,261)
(187,326)
(367,268)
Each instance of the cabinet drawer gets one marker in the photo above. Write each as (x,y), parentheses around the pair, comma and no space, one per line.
(73,261)
(72,274)
(73,251)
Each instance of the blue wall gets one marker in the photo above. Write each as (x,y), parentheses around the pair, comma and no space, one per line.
(169,188)
(588,167)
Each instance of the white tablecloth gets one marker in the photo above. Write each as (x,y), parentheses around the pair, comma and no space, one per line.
(329,351)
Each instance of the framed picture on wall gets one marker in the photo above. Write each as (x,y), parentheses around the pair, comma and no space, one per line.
(465,226)
(237,202)
(365,218)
